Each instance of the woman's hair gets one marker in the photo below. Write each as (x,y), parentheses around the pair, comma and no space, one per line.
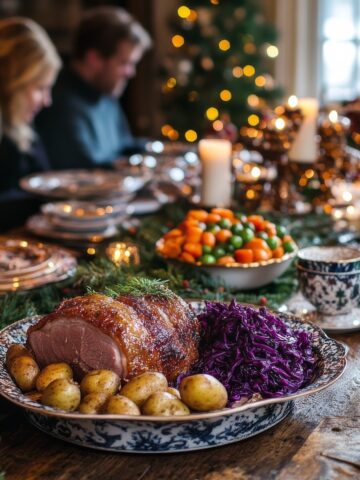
(102,29)
(26,56)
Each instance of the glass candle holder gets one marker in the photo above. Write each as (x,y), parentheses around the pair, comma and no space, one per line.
(123,253)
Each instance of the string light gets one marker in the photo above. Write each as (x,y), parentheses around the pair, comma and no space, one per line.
(272,51)
(173,134)
(225,95)
(280,124)
(171,82)
(237,72)
(165,129)
(249,70)
(224,45)
(253,120)
(218,125)
(253,100)
(212,113)
(293,101)
(215,2)
(184,11)
(178,41)
(260,81)
(193,16)
(191,135)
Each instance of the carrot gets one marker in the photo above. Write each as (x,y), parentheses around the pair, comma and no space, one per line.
(225,260)
(175,232)
(278,252)
(258,221)
(223,212)
(244,255)
(195,249)
(194,234)
(270,229)
(189,222)
(187,257)
(171,249)
(200,215)
(287,238)
(260,254)
(223,235)
(208,238)
(257,243)
(213,218)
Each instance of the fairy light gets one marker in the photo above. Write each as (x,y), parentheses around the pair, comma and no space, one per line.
(347,196)
(253,100)
(173,134)
(218,125)
(293,101)
(183,11)
(192,16)
(250,194)
(280,123)
(224,45)
(255,172)
(178,41)
(237,72)
(309,173)
(333,116)
(212,113)
(272,51)
(91,251)
(260,81)
(165,129)
(249,70)
(171,82)
(191,135)
(253,120)
(225,95)
(215,2)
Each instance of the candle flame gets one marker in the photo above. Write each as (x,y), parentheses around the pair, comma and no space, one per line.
(293,101)
(333,116)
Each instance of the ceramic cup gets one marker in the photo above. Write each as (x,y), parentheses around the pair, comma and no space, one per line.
(329,278)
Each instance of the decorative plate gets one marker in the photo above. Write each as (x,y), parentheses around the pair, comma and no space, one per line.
(83,183)
(242,276)
(21,257)
(146,434)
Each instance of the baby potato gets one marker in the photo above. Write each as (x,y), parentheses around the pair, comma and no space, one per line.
(120,405)
(100,381)
(16,350)
(203,392)
(53,372)
(63,394)
(164,404)
(141,387)
(35,396)
(92,402)
(24,371)
(173,391)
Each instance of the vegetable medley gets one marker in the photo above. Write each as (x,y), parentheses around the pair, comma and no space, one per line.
(225,237)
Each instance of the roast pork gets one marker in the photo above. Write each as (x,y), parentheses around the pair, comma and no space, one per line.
(128,334)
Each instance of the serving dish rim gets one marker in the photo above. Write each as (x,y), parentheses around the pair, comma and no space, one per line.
(48,411)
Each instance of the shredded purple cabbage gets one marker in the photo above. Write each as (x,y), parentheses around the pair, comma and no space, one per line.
(251,351)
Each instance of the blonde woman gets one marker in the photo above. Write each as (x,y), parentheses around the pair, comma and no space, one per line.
(28,64)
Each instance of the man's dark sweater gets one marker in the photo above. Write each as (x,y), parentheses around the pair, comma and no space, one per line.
(83,128)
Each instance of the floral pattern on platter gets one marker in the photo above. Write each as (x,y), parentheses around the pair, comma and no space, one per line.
(330,293)
(337,259)
(169,434)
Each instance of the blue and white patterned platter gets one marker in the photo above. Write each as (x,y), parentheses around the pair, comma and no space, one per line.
(145,434)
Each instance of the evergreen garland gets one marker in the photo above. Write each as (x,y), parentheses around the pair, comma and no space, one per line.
(101,275)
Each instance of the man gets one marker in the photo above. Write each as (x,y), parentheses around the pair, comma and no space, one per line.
(85,126)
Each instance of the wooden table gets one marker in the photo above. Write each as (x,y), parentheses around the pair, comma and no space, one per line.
(26,453)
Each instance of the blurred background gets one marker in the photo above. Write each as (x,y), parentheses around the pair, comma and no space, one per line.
(241,55)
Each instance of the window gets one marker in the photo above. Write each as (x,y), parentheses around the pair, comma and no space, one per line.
(339,30)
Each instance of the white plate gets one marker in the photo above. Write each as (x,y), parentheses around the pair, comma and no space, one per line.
(83,211)
(40,225)
(83,183)
(146,434)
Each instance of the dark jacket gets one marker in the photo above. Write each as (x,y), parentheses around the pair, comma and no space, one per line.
(83,128)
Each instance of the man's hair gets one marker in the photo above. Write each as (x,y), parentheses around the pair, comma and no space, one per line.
(103,28)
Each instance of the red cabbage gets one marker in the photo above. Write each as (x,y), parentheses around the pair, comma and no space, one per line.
(251,351)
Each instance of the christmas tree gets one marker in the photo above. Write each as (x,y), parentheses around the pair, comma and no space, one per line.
(216,75)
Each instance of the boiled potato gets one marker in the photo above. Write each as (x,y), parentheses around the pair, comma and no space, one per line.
(100,381)
(63,394)
(164,404)
(93,402)
(16,350)
(173,391)
(203,392)
(141,387)
(120,405)
(53,372)
(24,371)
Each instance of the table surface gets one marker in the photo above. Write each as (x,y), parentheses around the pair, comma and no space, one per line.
(26,453)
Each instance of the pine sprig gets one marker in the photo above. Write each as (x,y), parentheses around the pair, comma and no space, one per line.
(141,286)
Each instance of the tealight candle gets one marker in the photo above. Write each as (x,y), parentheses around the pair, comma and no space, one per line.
(215,156)
(123,253)
(304,148)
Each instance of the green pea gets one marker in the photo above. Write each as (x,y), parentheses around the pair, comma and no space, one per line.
(242,217)
(272,242)
(206,249)
(249,225)
(289,247)
(213,228)
(208,259)
(281,231)
(219,252)
(263,235)
(237,228)
(247,235)
(236,241)
(224,223)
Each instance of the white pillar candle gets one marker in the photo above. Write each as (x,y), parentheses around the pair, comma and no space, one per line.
(215,156)
(304,148)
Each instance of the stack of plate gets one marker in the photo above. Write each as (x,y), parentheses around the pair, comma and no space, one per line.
(25,265)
